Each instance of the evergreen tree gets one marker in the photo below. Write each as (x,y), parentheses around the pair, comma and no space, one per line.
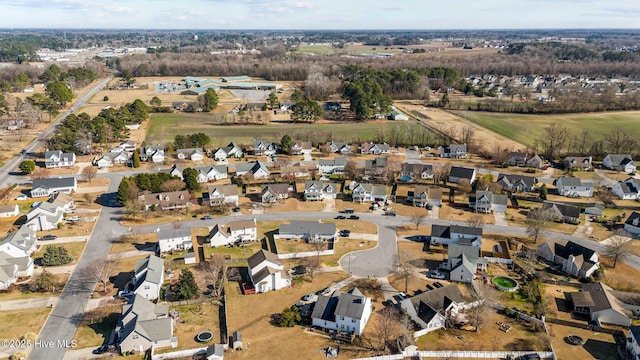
(27,166)
(273,100)
(285,143)
(44,282)
(187,286)
(190,178)
(306,110)
(56,255)
(59,92)
(136,159)
(121,196)
(209,100)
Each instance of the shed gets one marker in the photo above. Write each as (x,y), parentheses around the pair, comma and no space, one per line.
(594,209)
(190,258)
(237,340)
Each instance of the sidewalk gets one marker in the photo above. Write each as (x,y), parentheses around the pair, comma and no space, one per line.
(29,303)
(133,253)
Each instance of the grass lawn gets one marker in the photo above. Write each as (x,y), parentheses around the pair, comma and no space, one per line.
(194,319)
(164,127)
(596,345)
(21,292)
(134,242)
(526,128)
(97,325)
(22,322)
(73,248)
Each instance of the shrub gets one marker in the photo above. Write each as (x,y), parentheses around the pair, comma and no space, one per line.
(55,256)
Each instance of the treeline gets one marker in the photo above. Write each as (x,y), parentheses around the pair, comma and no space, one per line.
(20,77)
(78,133)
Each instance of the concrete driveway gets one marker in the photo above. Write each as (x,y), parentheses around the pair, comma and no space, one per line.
(434,213)
(500,219)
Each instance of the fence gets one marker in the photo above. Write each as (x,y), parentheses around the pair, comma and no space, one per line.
(521,315)
(302,254)
(187,302)
(589,327)
(498,260)
(177,354)
(461,354)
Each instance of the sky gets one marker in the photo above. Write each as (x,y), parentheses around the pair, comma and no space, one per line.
(320,14)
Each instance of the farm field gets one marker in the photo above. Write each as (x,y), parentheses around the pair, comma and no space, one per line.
(164,127)
(524,128)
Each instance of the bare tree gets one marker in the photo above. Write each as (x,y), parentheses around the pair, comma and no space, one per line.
(89,172)
(40,173)
(176,224)
(537,222)
(618,246)
(440,173)
(172,185)
(213,270)
(100,272)
(475,220)
(404,269)
(386,328)
(133,207)
(87,197)
(417,219)
(464,186)
(350,169)
(466,135)
(553,140)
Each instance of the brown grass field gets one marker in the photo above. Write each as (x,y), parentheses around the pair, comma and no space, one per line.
(22,322)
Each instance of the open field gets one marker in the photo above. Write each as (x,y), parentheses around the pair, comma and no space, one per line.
(164,127)
(22,322)
(526,128)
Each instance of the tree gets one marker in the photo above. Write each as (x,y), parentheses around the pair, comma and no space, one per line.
(213,270)
(27,166)
(404,270)
(100,272)
(56,255)
(386,328)
(133,207)
(285,143)
(89,172)
(44,282)
(464,186)
(297,96)
(187,286)
(135,161)
(190,178)
(445,100)
(123,188)
(543,192)
(536,223)
(59,92)
(417,219)
(40,173)
(553,140)
(272,100)
(618,246)
(476,220)
(172,185)
(209,100)
(105,98)
(306,110)
(289,317)
(127,78)
(350,169)
(155,101)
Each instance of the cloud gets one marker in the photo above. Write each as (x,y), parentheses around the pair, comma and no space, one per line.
(304,4)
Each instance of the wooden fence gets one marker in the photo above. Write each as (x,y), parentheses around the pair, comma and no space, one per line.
(461,354)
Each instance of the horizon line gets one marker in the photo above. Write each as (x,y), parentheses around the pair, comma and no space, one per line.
(321,29)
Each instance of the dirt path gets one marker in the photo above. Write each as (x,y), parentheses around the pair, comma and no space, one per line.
(439,120)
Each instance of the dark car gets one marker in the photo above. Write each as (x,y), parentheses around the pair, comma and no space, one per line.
(48,237)
(354,217)
(345,233)
(390,213)
(207,217)
(340,217)
(101,350)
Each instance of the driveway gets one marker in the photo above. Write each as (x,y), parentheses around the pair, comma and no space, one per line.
(307,156)
(604,179)
(329,205)
(500,219)
(412,156)
(585,229)
(434,213)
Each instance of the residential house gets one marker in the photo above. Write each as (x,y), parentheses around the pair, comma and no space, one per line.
(562,212)
(374,149)
(597,302)
(44,216)
(427,196)
(230,151)
(175,171)
(516,183)
(267,272)
(235,231)
(594,209)
(144,324)
(518,158)
(619,162)
(458,173)
(56,159)
(301,147)
(628,189)
(153,153)
(174,239)
(632,224)
(430,309)
(20,243)
(9,210)
(369,193)
(416,171)
(111,158)
(536,162)
(256,169)
(49,186)
(375,167)
(294,171)
(261,147)
(319,190)
(193,154)
(340,147)
(166,201)
(487,202)
(332,166)
(582,163)
(456,234)
(64,201)
(148,276)
(221,194)
(309,231)
(211,173)
(463,261)
(348,312)
(633,342)
(573,187)
(127,146)
(574,259)
(454,151)
(13,268)
(275,192)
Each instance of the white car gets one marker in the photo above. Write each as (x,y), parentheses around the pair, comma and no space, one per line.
(436,275)
(22,197)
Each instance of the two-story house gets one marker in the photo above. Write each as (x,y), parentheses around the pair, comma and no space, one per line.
(20,243)
(275,192)
(230,151)
(153,153)
(426,196)
(374,149)
(267,272)
(516,183)
(463,261)
(633,342)
(193,154)
(148,276)
(211,173)
(261,147)
(562,212)
(174,239)
(348,312)
(44,216)
(632,224)
(574,259)
(309,231)
(166,201)
(369,193)
(454,151)
(57,159)
(332,166)
(256,169)
(458,173)
(582,163)
(628,189)
(301,147)
(518,158)
(456,234)
(221,194)
(573,187)
(319,190)
(487,202)
(619,162)
(339,147)
(143,324)
(416,171)
(376,167)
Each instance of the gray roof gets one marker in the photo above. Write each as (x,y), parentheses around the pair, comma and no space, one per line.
(499,199)
(23,238)
(635,331)
(54,183)
(250,167)
(308,227)
(215,349)
(325,187)
(379,190)
(150,320)
(174,233)
(227,190)
(569,181)
(262,255)
(154,267)
(470,252)
(276,188)
(426,304)
(462,172)
(564,209)
(339,161)
(415,169)
(23,262)
(351,304)
(512,180)
(467,230)
(635,216)
(620,159)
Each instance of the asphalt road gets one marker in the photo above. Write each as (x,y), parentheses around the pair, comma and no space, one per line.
(11,166)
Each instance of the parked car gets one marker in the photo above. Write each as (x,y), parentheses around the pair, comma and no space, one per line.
(354,217)
(73,218)
(308,297)
(48,237)
(207,217)
(340,217)
(345,233)
(390,213)
(101,350)
(22,197)
(436,275)
(325,291)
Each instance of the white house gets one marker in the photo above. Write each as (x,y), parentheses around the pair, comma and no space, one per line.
(340,147)
(516,183)
(44,216)
(374,149)
(573,187)
(235,231)
(597,302)
(56,159)
(49,186)
(193,154)
(456,234)
(369,192)
(9,210)
(148,277)
(318,190)
(487,202)
(267,272)
(261,147)
(12,268)
(619,162)
(426,196)
(275,192)
(144,324)
(333,166)
(348,312)
(218,236)
(153,153)
(633,342)
(454,151)
(574,259)
(301,147)
(256,169)
(65,201)
(628,189)
(211,173)
(128,146)
(416,171)
(463,261)
(221,194)
(583,163)
(174,239)
(229,151)
(458,173)
(309,231)
(20,243)
(632,224)
(111,158)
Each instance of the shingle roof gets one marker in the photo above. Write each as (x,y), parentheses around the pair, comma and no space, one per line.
(564,209)
(174,233)
(242,224)
(511,180)
(619,159)
(499,199)
(53,183)
(308,227)
(635,216)
(262,255)
(467,230)
(462,172)
(351,304)
(154,267)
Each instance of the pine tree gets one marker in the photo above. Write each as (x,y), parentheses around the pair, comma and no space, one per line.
(136,159)
(187,287)
(121,196)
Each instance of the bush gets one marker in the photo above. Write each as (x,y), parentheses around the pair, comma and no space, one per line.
(289,317)
(55,256)
(105,98)
(27,166)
